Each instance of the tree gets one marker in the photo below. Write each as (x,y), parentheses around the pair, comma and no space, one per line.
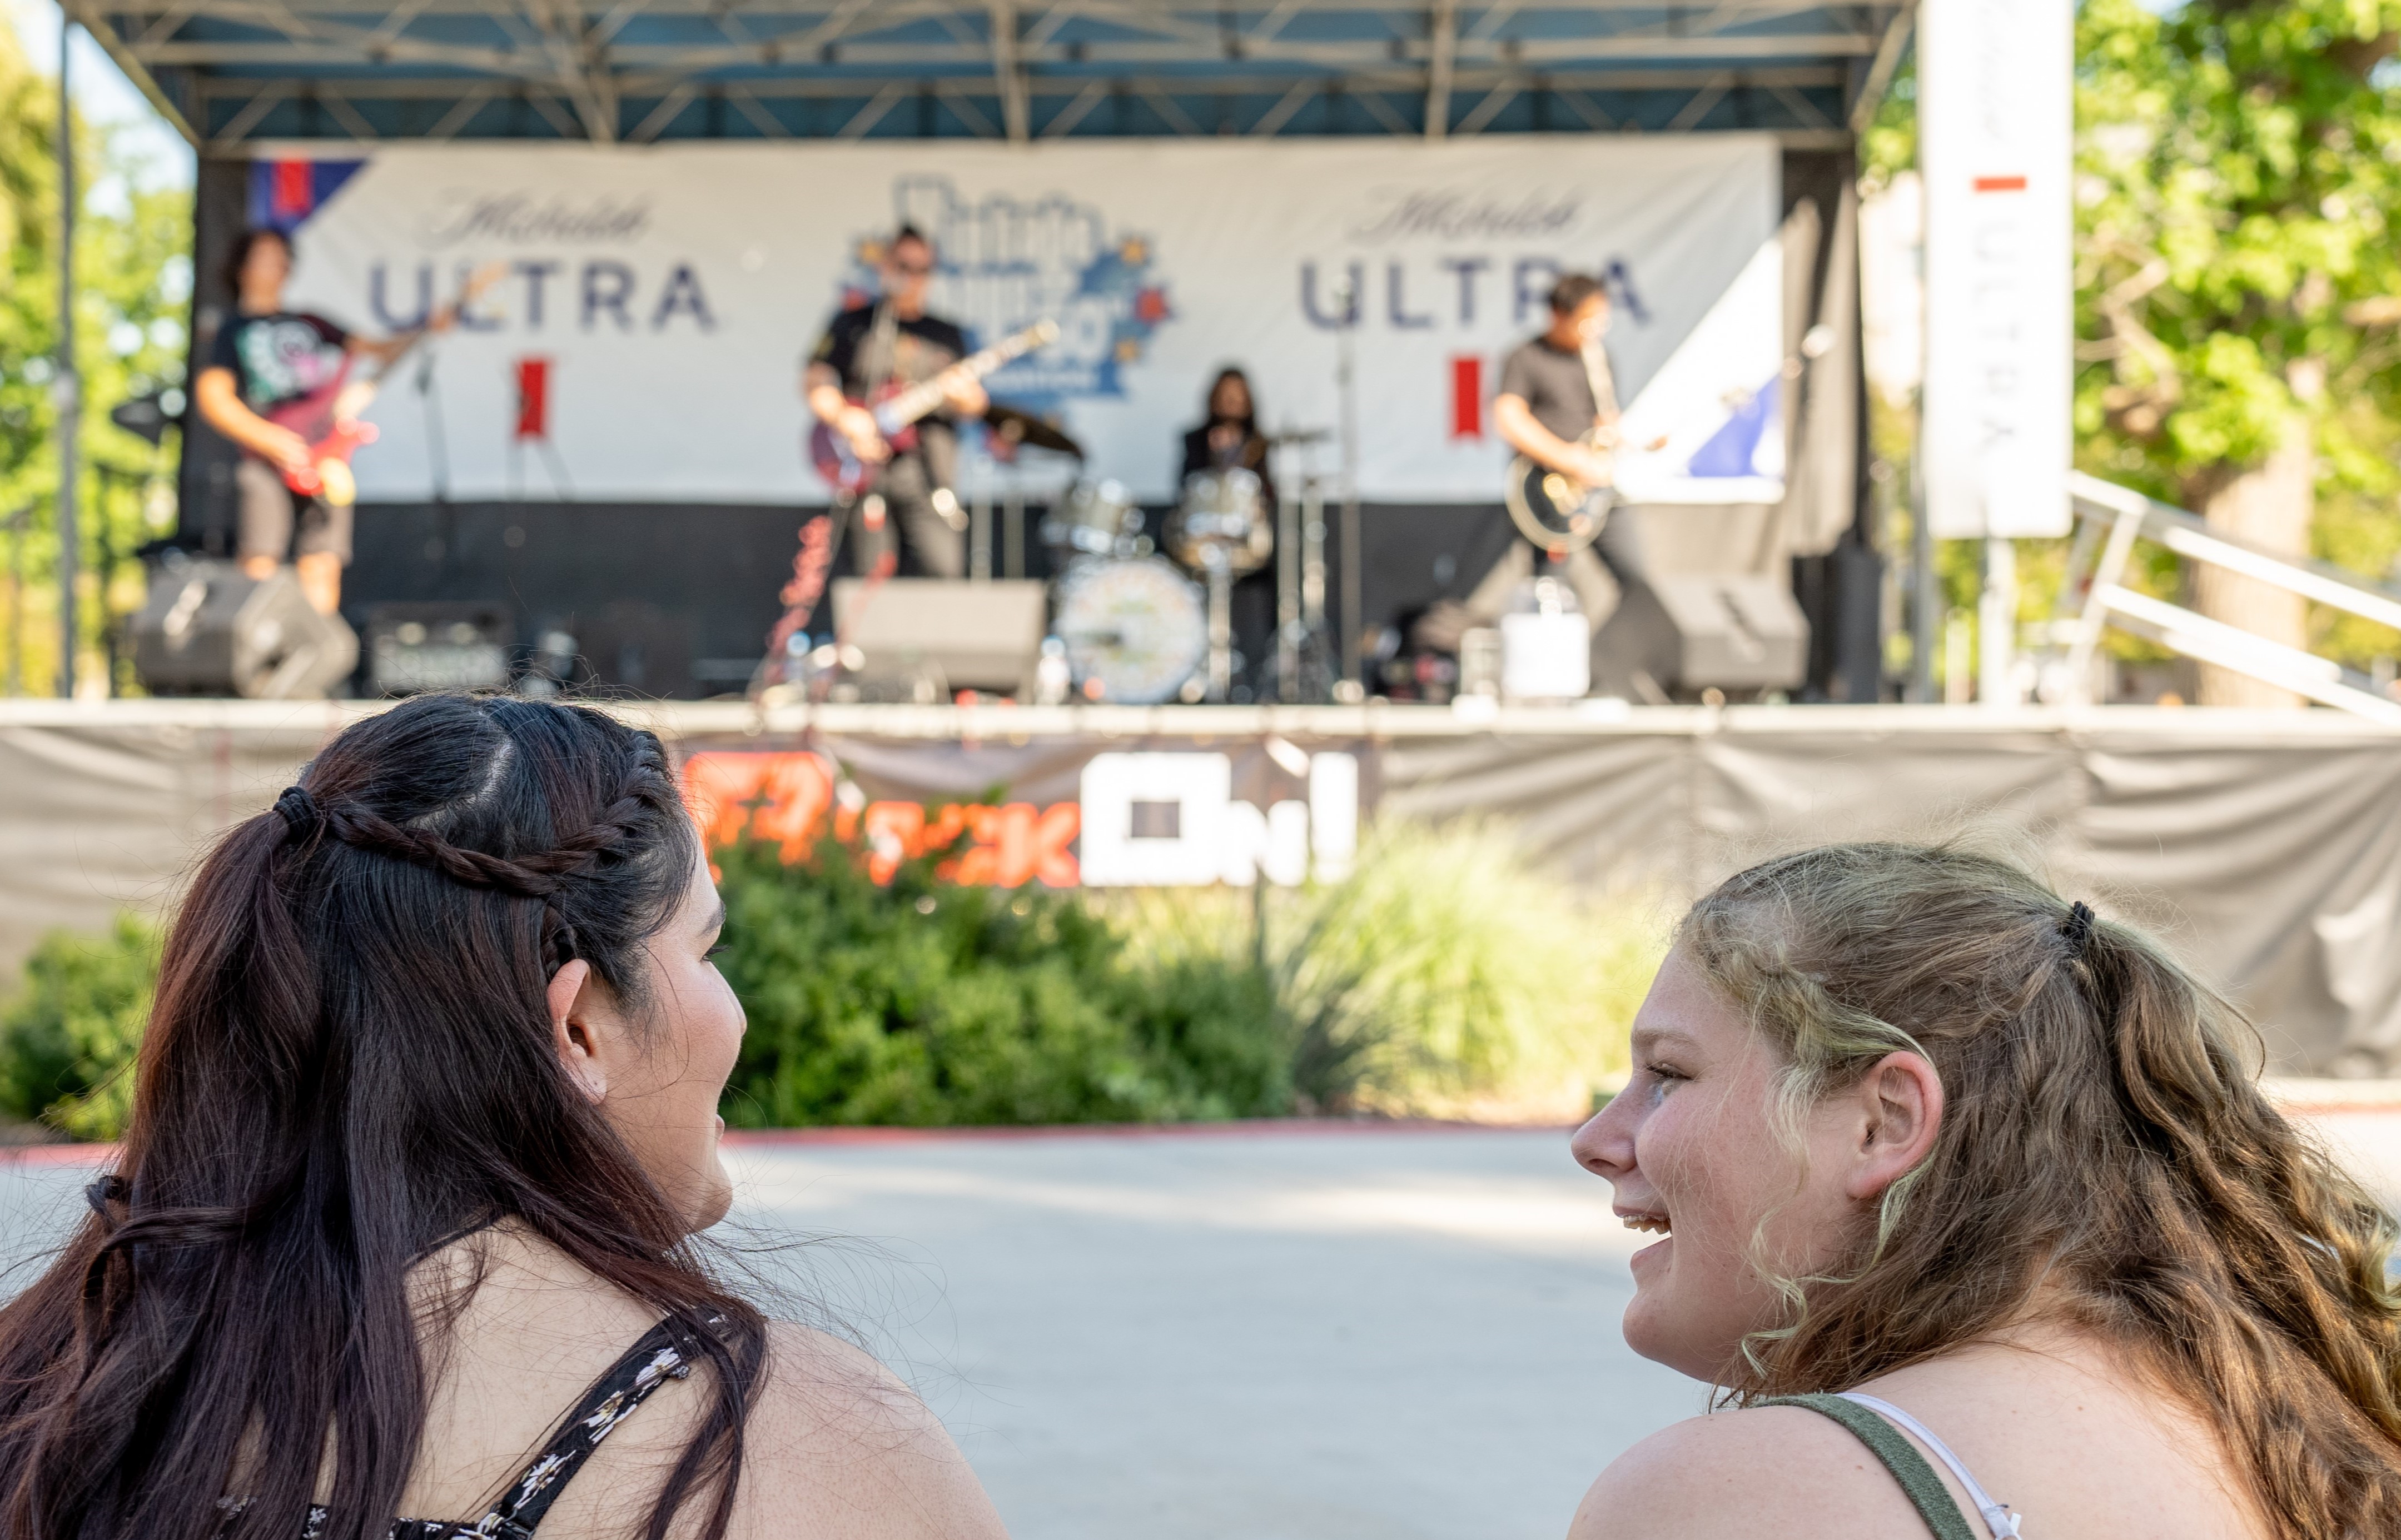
(133,271)
(2238,166)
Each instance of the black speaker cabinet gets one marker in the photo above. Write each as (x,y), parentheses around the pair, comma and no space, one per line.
(208,630)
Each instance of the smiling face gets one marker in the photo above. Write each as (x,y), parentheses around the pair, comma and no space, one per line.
(1691,1155)
(662,1096)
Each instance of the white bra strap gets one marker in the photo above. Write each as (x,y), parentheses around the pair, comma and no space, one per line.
(1998,1517)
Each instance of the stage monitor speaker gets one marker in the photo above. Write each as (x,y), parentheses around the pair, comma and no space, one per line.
(1736,631)
(939,635)
(416,646)
(208,630)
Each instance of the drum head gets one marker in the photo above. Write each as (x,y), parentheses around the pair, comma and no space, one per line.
(1222,522)
(1090,518)
(1139,627)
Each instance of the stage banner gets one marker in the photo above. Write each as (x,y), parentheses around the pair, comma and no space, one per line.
(1995,124)
(646,337)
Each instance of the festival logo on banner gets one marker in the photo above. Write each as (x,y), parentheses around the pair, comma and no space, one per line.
(1002,263)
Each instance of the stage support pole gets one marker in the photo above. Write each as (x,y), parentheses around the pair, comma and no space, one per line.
(1998,620)
(1925,601)
(66,387)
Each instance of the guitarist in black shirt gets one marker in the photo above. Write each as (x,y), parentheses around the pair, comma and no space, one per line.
(872,348)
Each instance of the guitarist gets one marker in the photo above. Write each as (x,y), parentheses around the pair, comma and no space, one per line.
(1548,411)
(261,357)
(894,340)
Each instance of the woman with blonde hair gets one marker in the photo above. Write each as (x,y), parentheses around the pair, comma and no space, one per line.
(1978,1219)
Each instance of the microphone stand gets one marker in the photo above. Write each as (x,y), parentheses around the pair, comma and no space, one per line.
(1349,689)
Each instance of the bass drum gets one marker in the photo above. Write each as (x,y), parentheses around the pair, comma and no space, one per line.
(1137,628)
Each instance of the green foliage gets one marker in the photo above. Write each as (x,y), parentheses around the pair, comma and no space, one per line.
(68,1042)
(2237,173)
(133,293)
(1449,975)
(925,1004)
(1454,975)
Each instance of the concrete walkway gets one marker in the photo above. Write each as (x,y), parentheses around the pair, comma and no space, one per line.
(1238,1334)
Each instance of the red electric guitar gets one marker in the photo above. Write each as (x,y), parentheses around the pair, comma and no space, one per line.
(898,407)
(330,416)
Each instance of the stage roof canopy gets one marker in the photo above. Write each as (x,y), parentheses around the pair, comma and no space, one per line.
(229,71)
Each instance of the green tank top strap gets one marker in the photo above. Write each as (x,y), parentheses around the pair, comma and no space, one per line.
(1926,1492)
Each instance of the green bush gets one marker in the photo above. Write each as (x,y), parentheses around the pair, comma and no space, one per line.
(68,1041)
(921,1002)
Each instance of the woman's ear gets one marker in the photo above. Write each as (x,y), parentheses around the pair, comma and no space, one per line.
(1900,1109)
(570,1031)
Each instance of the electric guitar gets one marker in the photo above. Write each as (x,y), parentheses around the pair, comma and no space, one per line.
(330,417)
(898,407)
(1559,513)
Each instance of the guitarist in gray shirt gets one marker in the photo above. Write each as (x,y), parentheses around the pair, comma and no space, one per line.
(1547,410)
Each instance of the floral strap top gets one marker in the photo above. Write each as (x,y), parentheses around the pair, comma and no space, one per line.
(666,1354)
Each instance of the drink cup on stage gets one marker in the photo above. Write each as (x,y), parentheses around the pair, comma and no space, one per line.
(1545,644)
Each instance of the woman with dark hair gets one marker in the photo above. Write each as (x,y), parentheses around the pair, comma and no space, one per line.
(423,1127)
(1228,437)
(1974,1211)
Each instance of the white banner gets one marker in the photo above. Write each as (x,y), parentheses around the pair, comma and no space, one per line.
(1994,120)
(660,301)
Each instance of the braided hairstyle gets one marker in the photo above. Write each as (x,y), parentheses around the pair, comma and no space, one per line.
(349,1059)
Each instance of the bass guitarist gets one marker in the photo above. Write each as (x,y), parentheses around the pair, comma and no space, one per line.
(263,357)
(894,340)
(1551,409)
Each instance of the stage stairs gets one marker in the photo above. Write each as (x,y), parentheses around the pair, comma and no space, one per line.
(2110,518)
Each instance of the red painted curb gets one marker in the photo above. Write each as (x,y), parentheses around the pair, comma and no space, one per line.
(1234,1128)
(774,1139)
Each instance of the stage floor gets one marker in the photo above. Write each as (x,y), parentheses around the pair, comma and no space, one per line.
(1354,1333)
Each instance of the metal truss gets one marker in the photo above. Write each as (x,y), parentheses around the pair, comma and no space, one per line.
(227,72)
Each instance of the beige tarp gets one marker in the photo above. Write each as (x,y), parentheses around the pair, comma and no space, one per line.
(2267,846)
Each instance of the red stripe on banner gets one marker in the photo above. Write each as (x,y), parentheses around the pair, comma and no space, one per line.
(533,398)
(295,188)
(1467,397)
(2000,185)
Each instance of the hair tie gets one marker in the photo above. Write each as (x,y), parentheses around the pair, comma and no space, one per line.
(2078,928)
(107,1190)
(301,814)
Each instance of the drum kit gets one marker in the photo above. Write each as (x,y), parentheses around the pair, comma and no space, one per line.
(1141,628)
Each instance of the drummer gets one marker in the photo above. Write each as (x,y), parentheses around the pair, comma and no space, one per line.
(1228,439)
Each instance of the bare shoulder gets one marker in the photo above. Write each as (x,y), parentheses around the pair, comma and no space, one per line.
(1781,1470)
(838,1447)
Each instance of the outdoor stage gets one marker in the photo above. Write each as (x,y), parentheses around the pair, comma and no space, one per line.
(2266,846)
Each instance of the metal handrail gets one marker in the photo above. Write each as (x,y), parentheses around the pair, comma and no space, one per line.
(2131,514)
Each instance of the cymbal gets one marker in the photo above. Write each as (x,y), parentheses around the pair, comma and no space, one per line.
(1300,435)
(1025,431)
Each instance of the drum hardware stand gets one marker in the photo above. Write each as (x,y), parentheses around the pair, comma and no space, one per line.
(1301,640)
(1221,627)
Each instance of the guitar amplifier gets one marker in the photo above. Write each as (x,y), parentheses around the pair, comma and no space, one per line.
(208,630)
(939,635)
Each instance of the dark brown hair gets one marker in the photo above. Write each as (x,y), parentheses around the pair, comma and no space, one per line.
(350,1062)
(1572,290)
(2106,1154)
(244,244)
